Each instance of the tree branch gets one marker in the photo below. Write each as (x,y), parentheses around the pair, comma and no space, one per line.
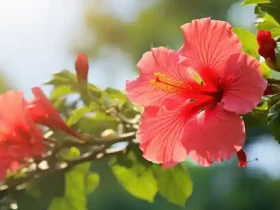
(100,148)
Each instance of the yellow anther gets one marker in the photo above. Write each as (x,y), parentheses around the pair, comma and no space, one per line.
(168,84)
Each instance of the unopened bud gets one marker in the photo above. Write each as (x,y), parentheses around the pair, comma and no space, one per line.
(266,45)
(109,134)
(81,66)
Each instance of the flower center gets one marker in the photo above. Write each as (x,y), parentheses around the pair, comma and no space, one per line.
(168,84)
(171,85)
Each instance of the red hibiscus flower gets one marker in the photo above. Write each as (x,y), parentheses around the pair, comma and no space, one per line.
(20,138)
(193,98)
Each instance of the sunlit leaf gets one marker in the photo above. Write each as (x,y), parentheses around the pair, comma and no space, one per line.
(116,95)
(97,123)
(138,180)
(266,71)
(248,40)
(60,203)
(78,183)
(262,106)
(92,182)
(94,91)
(64,77)
(174,184)
(77,114)
(255,1)
(61,91)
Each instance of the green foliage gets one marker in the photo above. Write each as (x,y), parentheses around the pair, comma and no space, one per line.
(64,77)
(272,8)
(138,180)
(143,180)
(248,40)
(174,184)
(78,183)
(258,117)
(78,114)
(274,120)
(40,193)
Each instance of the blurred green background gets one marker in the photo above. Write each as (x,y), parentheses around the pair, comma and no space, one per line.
(114,34)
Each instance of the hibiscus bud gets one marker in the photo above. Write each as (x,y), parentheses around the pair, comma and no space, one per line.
(267,47)
(109,134)
(242,158)
(81,66)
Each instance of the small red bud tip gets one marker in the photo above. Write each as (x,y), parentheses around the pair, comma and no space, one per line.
(242,158)
(266,44)
(81,66)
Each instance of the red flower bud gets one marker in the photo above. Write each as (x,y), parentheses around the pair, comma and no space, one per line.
(43,112)
(81,66)
(266,45)
(242,158)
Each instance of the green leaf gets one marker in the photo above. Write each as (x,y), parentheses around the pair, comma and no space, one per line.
(78,183)
(138,180)
(266,71)
(75,188)
(92,182)
(97,123)
(94,91)
(255,2)
(174,184)
(262,106)
(268,23)
(273,100)
(71,153)
(272,8)
(78,114)
(255,119)
(116,95)
(60,203)
(64,77)
(248,40)
(61,91)
(274,120)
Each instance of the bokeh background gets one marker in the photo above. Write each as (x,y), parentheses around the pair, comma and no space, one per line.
(38,38)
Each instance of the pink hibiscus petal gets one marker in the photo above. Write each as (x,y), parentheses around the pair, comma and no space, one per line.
(171,86)
(161,132)
(208,44)
(243,84)
(214,135)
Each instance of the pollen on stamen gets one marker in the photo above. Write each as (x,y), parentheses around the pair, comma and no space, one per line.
(168,84)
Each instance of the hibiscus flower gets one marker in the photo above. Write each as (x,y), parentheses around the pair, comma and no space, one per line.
(193,98)
(20,138)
